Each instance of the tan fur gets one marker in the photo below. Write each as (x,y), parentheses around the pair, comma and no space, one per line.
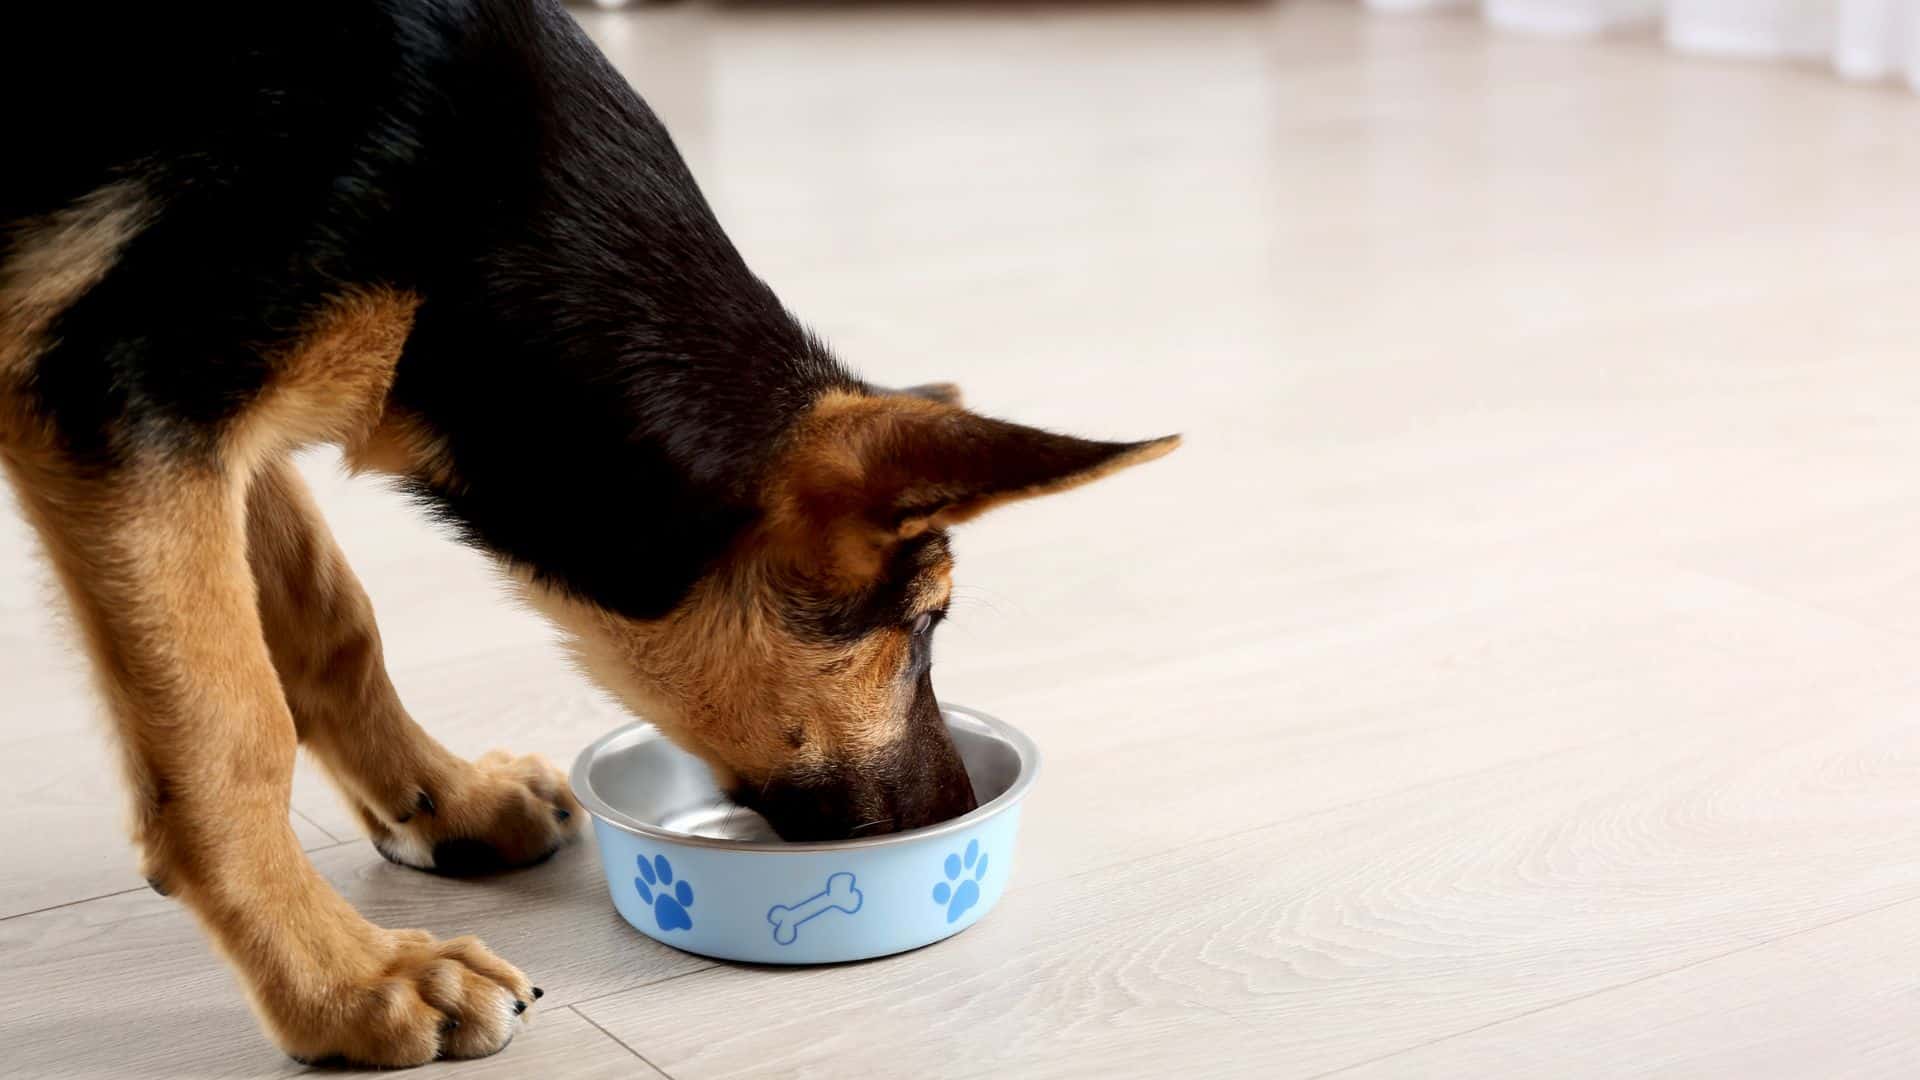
(50,264)
(401,446)
(838,465)
(724,674)
(973,508)
(815,498)
(332,387)
(225,627)
(189,648)
(53,261)
(725,678)
(326,647)
(155,564)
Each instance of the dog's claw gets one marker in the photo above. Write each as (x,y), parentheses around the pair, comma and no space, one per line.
(422,805)
(519,1007)
(538,993)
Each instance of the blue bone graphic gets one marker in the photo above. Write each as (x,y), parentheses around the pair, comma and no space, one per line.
(839,893)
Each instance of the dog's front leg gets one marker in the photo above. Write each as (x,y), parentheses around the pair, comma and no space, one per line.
(154,559)
(423,806)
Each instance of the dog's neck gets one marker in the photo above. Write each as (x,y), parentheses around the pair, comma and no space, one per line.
(599,376)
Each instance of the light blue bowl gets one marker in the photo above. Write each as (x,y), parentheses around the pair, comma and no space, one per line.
(691,870)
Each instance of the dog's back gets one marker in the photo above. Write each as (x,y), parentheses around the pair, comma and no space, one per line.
(226,162)
(250,165)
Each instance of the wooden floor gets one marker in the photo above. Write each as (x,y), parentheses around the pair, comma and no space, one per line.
(1518,672)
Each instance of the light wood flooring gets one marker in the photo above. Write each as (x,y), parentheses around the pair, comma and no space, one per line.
(1516,674)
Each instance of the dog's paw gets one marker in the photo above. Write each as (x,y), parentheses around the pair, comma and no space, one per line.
(500,812)
(428,999)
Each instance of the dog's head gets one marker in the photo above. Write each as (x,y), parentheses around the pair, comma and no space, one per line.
(799,668)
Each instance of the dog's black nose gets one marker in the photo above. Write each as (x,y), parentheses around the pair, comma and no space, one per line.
(851,806)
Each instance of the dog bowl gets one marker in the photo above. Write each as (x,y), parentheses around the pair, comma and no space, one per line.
(692,870)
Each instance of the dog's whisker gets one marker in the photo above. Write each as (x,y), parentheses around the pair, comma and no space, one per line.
(732,809)
(966,596)
(736,807)
(876,821)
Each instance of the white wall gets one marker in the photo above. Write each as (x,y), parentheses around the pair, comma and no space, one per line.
(1863,39)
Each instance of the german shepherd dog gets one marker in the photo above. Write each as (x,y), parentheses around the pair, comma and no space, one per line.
(445,236)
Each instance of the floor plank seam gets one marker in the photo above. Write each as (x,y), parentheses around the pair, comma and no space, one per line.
(643,1058)
(71,903)
(321,829)
(641,986)
(135,889)
(1523,1014)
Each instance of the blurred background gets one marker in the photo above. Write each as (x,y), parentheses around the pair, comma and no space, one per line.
(1516,673)
(1863,40)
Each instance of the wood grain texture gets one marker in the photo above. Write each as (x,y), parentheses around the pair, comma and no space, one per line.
(124,985)
(1514,674)
(63,809)
(1834,1001)
(1347,935)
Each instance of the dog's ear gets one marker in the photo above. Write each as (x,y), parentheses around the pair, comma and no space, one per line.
(865,473)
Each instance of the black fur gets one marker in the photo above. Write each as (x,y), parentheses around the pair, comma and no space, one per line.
(609,376)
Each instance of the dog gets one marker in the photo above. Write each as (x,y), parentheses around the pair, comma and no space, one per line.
(448,238)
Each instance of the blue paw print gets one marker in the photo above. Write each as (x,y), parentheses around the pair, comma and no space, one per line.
(669,908)
(960,893)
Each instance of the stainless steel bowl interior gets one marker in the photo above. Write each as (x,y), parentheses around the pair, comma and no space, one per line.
(638,781)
